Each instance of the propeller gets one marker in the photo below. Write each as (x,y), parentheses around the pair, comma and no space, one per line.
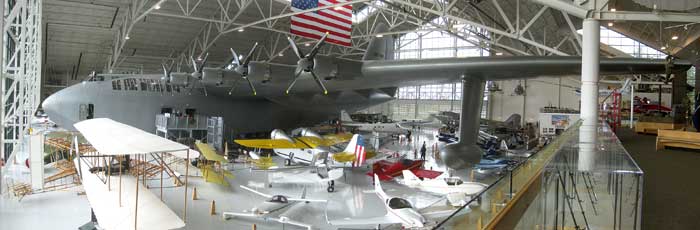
(241,67)
(198,68)
(306,63)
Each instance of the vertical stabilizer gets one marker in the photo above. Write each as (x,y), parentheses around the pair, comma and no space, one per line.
(357,147)
(410,179)
(380,48)
(378,188)
(344,116)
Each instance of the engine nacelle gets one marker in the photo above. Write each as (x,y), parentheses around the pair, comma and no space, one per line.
(306,132)
(212,76)
(280,135)
(181,79)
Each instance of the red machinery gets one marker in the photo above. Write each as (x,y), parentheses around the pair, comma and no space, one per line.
(387,170)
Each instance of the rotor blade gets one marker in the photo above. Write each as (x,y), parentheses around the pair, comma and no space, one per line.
(296,50)
(252,88)
(296,77)
(317,47)
(319,82)
(250,55)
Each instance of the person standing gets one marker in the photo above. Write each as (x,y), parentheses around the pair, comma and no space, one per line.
(422,151)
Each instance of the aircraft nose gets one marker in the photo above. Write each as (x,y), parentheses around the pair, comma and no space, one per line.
(56,107)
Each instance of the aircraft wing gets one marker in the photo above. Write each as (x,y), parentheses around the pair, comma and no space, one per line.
(209,152)
(424,173)
(152,212)
(349,222)
(256,192)
(337,138)
(424,71)
(271,144)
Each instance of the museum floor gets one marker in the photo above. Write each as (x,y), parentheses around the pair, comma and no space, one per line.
(671,189)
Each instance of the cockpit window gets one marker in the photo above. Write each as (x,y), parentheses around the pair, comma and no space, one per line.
(278,199)
(453,181)
(398,203)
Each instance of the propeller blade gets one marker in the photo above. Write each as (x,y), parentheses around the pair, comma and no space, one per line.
(317,47)
(297,52)
(204,62)
(194,64)
(252,88)
(250,55)
(233,59)
(166,73)
(319,82)
(296,77)
(233,86)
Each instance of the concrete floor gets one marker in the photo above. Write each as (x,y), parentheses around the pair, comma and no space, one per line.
(68,210)
(671,189)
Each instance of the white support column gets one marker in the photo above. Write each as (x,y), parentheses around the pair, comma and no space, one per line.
(631,106)
(36,156)
(589,71)
(590,65)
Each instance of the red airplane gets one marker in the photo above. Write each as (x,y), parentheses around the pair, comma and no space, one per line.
(387,170)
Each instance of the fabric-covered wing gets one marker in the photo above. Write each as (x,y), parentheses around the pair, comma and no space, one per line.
(209,152)
(271,144)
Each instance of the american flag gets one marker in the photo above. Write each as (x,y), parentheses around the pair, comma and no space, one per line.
(359,152)
(337,21)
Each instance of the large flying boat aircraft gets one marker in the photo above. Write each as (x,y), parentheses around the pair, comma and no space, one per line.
(316,89)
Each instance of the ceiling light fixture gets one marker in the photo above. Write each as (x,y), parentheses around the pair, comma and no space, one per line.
(499,54)
(241,30)
(610,24)
(157,7)
(307,44)
(675,37)
(663,48)
(380,35)
(127,37)
(613,10)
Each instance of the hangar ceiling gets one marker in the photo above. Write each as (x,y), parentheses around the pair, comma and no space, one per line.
(82,36)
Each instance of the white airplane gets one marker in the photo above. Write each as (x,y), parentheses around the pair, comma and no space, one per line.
(308,175)
(272,205)
(303,149)
(457,192)
(399,211)
(380,127)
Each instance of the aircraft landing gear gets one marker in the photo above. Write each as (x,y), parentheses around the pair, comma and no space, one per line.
(331,186)
(287,162)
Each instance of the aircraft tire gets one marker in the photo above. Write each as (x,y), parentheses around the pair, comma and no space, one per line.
(287,162)
(330,188)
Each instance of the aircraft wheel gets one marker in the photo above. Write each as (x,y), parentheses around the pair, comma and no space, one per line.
(287,162)
(330,188)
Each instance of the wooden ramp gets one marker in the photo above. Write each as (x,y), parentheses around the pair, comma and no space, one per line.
(681,139)
(653,127)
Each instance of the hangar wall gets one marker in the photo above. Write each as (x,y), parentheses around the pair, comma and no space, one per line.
(539,92)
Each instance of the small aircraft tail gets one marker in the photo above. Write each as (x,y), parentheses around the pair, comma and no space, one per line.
(344,116)
(357,146)
(409,178)
(378,187)
(380,47)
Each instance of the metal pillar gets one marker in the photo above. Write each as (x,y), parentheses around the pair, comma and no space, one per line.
(20,71)
(590,66)
(631,106)
(465,152)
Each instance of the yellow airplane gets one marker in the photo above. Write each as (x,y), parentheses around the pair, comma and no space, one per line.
(302,149)
(211,167)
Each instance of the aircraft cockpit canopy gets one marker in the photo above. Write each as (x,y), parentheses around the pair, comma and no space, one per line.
(278,199)
(399,203)
(452,181)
